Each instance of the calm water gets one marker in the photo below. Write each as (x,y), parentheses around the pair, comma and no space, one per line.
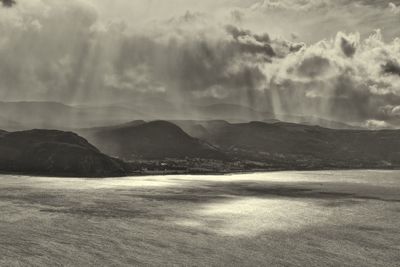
(329,218)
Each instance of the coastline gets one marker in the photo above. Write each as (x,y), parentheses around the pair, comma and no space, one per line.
(170,173)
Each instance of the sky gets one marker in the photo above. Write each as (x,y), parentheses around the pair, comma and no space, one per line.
(335,59)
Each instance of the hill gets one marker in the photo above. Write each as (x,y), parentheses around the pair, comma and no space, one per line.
(152,140)
(297,145)
(201,129)
(238,113)
(231,112)
(54,153)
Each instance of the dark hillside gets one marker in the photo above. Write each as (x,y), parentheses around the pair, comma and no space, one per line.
(55,153)
(153,140)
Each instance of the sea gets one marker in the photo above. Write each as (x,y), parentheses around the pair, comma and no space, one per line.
(310,218)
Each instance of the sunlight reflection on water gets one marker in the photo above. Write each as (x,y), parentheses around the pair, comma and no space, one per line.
(252,216)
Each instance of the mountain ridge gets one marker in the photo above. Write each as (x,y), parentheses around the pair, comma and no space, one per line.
(151,140)
(53,152)
(25,115)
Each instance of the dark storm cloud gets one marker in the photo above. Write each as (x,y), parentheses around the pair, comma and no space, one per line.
(193,66)
(8,3)
(295,47)
(313,66)
(391,67)
(220,62)
(348,48)
(250,42)
(237,33)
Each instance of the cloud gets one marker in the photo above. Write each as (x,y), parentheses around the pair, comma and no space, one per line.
(327,81)
(313,67)
(8,3)
(71,51)
(42,49)
(252,43)
(291,4)
(309,5)
(391,67)
(394,8)
(314,20)
(375,124)
(348,48)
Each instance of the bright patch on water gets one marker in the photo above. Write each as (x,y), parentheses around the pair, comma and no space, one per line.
(253,216)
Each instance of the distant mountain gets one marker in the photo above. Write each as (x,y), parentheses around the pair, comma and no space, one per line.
(162,109)
(55,153)
(238,113)
(315,121)
(231,112)
(152,140)
(53,115)
(201,129)
(295,144)
(112,127)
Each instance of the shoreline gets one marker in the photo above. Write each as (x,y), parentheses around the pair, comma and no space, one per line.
(163,173)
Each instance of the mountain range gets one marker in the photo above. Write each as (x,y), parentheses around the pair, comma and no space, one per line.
(105,141)
(296,144)
(285,144)
(54,115)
